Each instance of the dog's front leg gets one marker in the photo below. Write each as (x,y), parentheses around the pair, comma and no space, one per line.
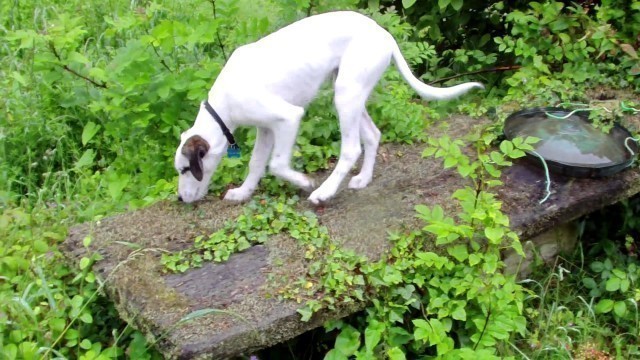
(257,167)
(284,138)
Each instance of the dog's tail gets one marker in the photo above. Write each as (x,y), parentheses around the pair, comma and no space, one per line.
(425,91)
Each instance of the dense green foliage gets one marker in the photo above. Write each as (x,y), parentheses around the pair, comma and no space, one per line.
(95,95)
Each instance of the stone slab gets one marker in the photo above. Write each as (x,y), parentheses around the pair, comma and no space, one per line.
(251,316)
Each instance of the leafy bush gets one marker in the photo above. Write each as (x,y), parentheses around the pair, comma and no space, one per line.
(555,43)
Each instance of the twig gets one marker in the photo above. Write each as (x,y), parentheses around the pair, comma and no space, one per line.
(494,69)
(161,59)
(67,68)
(224,53)
(484,328)
(309,8)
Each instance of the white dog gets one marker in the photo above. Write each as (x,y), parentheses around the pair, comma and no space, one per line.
(267,84)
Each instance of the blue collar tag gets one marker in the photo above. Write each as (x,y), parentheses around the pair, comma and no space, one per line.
(233,151)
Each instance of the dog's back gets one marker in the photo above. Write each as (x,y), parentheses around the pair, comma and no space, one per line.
(307,51)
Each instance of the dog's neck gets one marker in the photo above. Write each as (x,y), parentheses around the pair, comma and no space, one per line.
(209,129)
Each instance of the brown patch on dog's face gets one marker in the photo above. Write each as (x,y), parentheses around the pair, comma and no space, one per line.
(195,148)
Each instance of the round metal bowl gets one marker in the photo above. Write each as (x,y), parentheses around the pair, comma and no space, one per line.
(572,146)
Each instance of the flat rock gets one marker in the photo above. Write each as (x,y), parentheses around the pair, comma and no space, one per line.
(243,314)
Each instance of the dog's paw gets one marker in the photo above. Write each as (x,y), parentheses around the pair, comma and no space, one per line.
(359,182)
(319,196)
(238,195)
(309,185)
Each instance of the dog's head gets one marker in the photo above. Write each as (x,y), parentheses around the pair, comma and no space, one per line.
(196,160)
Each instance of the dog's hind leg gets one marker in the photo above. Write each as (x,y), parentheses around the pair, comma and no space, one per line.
(350,105)
(370,138)
(257,166)
(361,67)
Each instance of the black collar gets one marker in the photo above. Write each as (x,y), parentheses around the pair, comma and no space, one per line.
(216,117)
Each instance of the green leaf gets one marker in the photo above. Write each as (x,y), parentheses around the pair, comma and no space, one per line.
(450,161)
(116,185)
(474,259)
(348,341)
(443,4)
(11,351)
(137,348)
(429,151)
(422,330)
(88,132)
(597,266)
(40,246)
(460,252)
(86,159)
(589,283)
(613,284)
(78,58)
(86,241)
(490,263)
(28,350)
(334,354)
(624,285)
(71,334)
(372,335)
(84,263)
(619,273)
(85,344)
(459,313)
(498,158)
(77,301)
(86,318)
(516,153)
(437,213)
(494,234)
(57,324)
(620,308)
(398,336)
(423,210)
(438,331)
(391,275)
(457,4)
(604,306)
(408,3)
(506,147)
(491,170)
(396,353)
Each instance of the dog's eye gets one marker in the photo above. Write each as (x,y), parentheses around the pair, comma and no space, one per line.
(184,170)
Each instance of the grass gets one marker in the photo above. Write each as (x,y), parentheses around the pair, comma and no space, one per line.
(565,318)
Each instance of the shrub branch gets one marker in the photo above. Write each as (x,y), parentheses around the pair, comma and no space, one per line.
(482,71)
(164,63)
(310,8)
(70,70)
(224,53)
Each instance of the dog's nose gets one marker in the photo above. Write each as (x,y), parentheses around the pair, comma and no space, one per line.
(180,198)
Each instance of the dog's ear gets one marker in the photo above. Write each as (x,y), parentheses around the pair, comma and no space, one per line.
(195,148)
